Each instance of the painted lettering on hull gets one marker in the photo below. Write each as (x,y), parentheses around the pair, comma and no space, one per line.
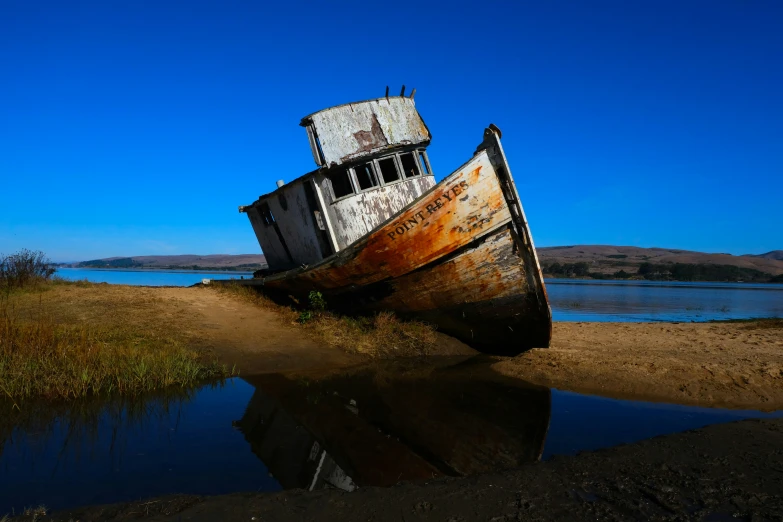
(440,201)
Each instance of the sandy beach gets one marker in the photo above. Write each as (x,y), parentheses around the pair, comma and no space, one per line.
(736,365)
(732,365)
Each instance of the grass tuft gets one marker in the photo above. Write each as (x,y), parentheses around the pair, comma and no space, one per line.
(41,357)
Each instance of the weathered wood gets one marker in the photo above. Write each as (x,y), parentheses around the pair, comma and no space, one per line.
(358,215)
(356,130)
(460,256)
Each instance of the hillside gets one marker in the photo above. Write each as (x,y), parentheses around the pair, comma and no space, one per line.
(775,254)
(599,260)
(244,262)
(607,260)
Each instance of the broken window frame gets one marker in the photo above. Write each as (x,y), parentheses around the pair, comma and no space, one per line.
(351,180)
(379,172)
(427,168)
(373,175)
(414,155)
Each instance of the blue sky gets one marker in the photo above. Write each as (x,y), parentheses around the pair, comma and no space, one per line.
(138,127)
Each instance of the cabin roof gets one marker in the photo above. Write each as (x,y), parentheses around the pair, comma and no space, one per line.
(345,133)
(307,119)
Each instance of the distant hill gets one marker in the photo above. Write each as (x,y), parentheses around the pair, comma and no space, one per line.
(579,260)
(775,254)
(241,262)
(608,260)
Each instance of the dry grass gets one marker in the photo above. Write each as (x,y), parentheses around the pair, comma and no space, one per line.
(63,341)
(380,335)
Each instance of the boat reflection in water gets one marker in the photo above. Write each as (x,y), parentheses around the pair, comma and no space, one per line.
(380,426)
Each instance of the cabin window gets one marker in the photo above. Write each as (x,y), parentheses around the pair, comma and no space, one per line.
(341,184)
(408,163)
(425,165)
(266,215)
(365,175)
(388,168)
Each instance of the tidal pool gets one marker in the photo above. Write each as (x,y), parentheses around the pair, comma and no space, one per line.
(374,426)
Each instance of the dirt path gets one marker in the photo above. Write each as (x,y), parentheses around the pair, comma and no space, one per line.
(737,365)
(255,339)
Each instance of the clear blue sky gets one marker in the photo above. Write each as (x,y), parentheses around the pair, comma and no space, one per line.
(138,127)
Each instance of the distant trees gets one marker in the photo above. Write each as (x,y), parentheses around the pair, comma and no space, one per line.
(700,272)
(664,272)
(568,269)
(124,262)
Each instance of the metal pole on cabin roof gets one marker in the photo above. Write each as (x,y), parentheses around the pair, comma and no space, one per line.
(413,92)
(402,92)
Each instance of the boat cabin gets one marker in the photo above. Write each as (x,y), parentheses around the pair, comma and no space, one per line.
(372,162)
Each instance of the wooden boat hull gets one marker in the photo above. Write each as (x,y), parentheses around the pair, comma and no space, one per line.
(461,257)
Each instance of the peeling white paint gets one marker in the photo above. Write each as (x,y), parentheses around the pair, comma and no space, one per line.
(353,131)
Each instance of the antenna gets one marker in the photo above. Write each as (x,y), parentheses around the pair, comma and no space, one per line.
(387,91)
(413,93)
(402,92)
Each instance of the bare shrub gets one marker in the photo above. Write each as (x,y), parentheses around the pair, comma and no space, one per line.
(24,268)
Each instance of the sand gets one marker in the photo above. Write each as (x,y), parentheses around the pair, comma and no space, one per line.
(735,365)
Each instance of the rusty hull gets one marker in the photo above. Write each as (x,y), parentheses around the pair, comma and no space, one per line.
(460,256)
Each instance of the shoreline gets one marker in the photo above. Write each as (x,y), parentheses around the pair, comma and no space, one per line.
(164,270)
(735,364)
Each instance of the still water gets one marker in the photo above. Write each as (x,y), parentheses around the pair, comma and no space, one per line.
(571,299)
(145,277)
(370,428)
(585,300)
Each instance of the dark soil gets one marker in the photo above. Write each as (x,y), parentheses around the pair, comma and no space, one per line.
(723,472)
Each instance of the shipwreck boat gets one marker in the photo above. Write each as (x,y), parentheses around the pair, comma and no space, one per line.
(371,230)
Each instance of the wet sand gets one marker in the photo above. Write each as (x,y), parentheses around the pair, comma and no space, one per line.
(725,472)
